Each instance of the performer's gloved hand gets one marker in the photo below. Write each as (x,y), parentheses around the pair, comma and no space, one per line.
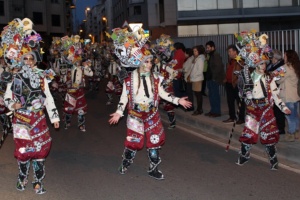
(114,118)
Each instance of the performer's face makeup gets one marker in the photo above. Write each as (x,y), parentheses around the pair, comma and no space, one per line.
(261,68)
(29,60)
(147,65)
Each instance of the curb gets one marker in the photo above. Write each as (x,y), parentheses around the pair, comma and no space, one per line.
(216,132)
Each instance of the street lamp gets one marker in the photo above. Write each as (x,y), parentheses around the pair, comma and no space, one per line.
(104,28)
(72,6)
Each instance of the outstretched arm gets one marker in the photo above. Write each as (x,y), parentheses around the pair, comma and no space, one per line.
(184,102)
(114,118)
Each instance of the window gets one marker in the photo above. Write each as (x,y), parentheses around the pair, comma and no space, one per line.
(54,1)
(37,18)
(249,26)
(187,30)
(250,3)
(55,20)
(210,29)
(186,5)
(228,28)
(137,10)
(216,29)
(268,3)
(225,4)
(2,13)
(286,2)
(206,5)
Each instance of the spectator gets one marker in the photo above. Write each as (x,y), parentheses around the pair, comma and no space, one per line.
(231,88)
(186,67)
(277,62)
(215,77)
(180,58)
(288,92)
(204,75)
(195,75)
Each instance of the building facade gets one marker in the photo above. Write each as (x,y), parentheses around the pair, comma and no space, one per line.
(216,17)
(50,17)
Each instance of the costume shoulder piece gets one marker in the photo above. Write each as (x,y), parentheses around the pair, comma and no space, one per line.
(27,88)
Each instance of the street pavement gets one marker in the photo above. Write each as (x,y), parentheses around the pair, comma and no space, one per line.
(84,166)
(215,130)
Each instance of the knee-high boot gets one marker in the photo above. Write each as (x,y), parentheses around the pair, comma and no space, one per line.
(38,166)
(271,151)
(155,160)
(128,156)
(23,175)
(67,120)
(244,154)
(81,122)
(199,102)
(172,119)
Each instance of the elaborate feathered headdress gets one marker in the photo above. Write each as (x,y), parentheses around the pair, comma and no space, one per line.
(18,38)
(252,49)
(130,47)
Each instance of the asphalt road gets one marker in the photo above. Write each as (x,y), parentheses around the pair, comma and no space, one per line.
(84,166)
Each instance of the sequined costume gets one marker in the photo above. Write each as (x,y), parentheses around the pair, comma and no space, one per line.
(260,92)
(143,119)
(75,102)
(31,134)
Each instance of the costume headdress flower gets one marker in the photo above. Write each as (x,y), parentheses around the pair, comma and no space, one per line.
(253,49)
(130,47)
(18,38)
(71,48)
(164,47)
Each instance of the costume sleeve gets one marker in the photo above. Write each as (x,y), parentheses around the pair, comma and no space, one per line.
(8,97)
(275,94)
(87,71)
(50,105)
(123,101)
(166,96)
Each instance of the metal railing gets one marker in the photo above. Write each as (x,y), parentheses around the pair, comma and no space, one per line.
(282,40)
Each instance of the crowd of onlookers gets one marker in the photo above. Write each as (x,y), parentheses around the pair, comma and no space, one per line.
(203,72)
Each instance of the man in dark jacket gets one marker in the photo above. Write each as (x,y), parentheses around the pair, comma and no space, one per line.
(214,76)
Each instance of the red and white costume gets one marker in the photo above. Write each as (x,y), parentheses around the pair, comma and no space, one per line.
(75,102)
(143,117)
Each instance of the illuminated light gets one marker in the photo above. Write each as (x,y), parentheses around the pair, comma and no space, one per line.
(135,26)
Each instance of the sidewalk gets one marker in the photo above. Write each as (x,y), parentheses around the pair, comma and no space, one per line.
(217,131)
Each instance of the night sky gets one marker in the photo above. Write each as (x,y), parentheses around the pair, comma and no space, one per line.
(80,7)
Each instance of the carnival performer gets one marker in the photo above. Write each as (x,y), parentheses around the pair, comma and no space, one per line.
(5,118)
(75,102)
(60,67)
(260,119)
(94,81)
(26,96)
(113,86)
(141,91)
(164,63)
